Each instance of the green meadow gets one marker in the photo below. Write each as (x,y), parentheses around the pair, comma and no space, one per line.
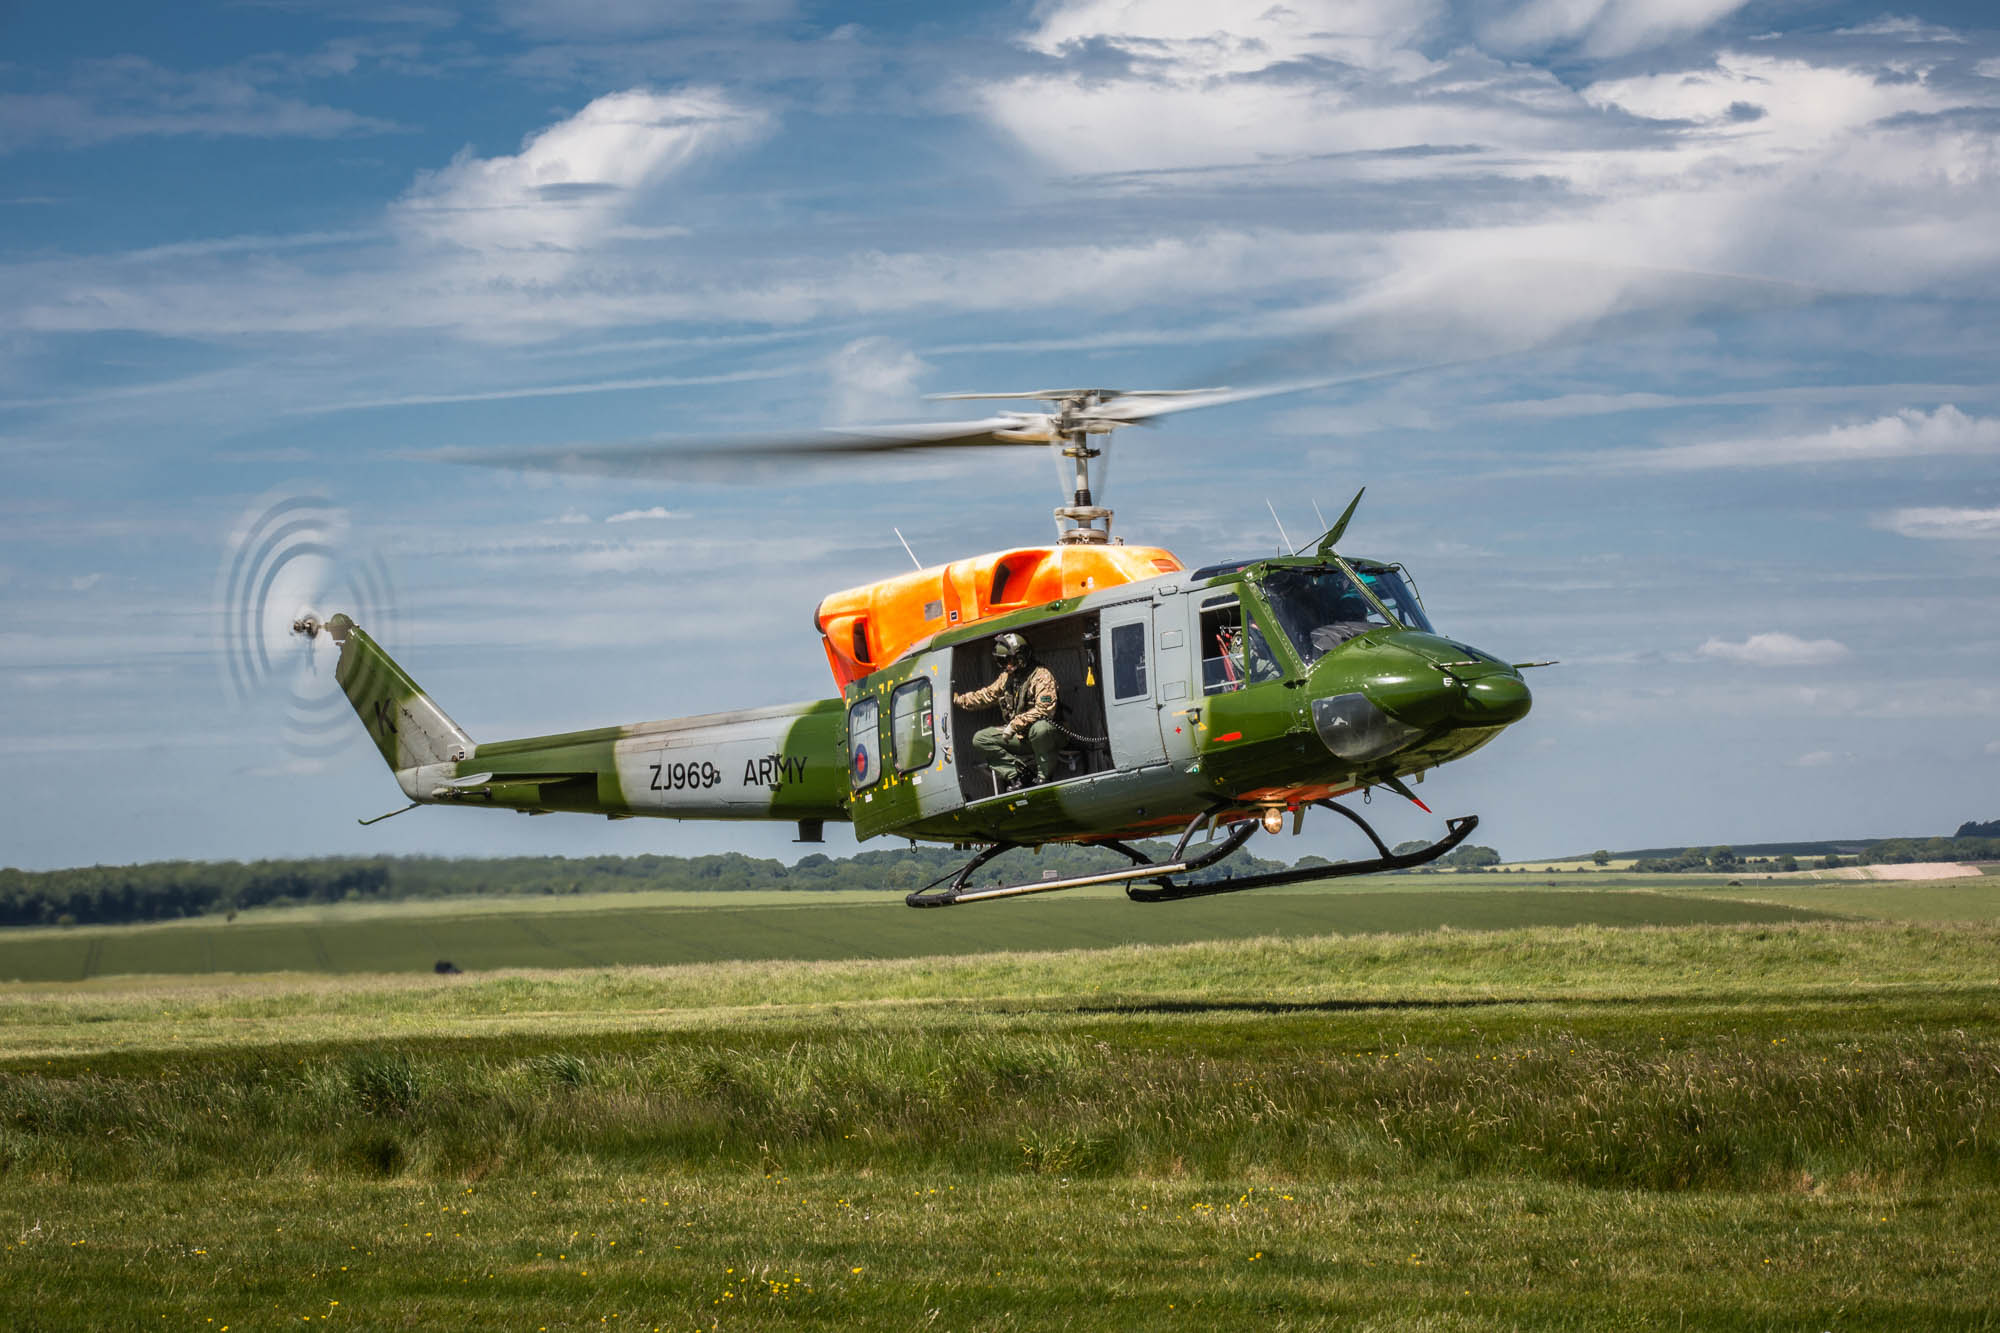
(1390,1108)
(655,929)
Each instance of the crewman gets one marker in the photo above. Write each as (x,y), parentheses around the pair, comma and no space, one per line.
(1025,694)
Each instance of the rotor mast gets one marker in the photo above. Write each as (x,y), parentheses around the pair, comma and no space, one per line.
(1075,416)
(1082,521)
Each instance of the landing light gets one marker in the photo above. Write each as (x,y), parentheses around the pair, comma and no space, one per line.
(1274,820)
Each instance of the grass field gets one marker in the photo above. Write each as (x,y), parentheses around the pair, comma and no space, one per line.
(655,929)
(1768,1123)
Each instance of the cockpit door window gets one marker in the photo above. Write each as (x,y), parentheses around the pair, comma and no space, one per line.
(1234,651)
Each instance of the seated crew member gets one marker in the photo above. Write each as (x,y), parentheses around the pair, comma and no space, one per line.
(1025,694)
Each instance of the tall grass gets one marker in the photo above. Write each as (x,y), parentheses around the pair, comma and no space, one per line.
(1744,1111)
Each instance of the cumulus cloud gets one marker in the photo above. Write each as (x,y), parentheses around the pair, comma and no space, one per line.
(1775,650)
(1910,433)
(577,179)
(1944,524)
(1221,82)
(873,379)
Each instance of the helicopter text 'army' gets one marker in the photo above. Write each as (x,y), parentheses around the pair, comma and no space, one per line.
(1231,697)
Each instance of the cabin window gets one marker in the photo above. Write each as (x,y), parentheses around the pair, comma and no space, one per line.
(911,727)
(1234,651)
(1128,661)
(864,744)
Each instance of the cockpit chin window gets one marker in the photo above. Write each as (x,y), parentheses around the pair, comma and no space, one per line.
(1320,609)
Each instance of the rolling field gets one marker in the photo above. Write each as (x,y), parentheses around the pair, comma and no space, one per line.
(1776,1122)
(662,929)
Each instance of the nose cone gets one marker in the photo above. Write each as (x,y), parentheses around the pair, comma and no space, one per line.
(1400,688)
(1495,700)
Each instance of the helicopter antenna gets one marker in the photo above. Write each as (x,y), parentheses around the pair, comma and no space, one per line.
(906,547)
(1285,542)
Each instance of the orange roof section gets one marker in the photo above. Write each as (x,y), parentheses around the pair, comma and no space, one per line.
(867,628)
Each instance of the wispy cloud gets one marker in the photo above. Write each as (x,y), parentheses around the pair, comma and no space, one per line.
(1775,650)
(1944,524)
(1817,759)
(553,390)
(1910,433)
(130,96)
(635,515)
(1602,28)
(1902,28)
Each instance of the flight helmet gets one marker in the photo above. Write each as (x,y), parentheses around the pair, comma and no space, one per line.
(1011,650)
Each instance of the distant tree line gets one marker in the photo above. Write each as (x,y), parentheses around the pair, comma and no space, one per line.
(1889,851)
(1969,829)
(165,890)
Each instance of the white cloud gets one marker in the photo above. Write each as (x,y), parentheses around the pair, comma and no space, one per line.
(85,582)
(1910,433)
(1775,650)
(1770,106)
(1603,27)
(1944,524)
(1904,27)
(1215,37)
(634,515)
(1988,69)
(1817,759)
(873,379)
(1225,81)
(569,517)
(575,180)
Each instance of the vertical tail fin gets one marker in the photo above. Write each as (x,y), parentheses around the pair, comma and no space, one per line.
(405,725)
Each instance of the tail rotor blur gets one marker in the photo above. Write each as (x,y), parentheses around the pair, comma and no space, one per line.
(288,562)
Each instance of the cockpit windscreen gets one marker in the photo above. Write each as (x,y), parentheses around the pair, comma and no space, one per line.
(1320,609)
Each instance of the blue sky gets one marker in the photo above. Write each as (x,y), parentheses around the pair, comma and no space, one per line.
(1706,286)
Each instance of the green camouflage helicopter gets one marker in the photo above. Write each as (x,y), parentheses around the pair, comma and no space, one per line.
(1222,700)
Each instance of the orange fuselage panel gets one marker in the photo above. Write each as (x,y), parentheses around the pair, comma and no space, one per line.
(867,628)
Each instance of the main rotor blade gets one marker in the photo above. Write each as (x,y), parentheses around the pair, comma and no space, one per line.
(643,457)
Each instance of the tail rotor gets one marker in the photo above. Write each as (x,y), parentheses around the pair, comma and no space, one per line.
(287,566)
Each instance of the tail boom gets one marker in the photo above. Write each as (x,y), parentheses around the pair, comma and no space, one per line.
(780,763)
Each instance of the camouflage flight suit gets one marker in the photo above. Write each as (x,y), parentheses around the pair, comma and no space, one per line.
(1027,699)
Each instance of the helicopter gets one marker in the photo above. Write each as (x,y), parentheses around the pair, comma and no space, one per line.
(1225,699)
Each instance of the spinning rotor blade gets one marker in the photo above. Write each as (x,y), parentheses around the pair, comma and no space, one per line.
(655,456)
(286,561)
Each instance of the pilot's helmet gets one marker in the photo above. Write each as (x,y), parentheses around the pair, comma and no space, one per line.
(1011,650)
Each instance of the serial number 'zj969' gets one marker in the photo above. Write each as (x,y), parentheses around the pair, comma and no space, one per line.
(690,776)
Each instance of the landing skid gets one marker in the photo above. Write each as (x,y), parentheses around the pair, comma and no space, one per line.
(1241,825)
